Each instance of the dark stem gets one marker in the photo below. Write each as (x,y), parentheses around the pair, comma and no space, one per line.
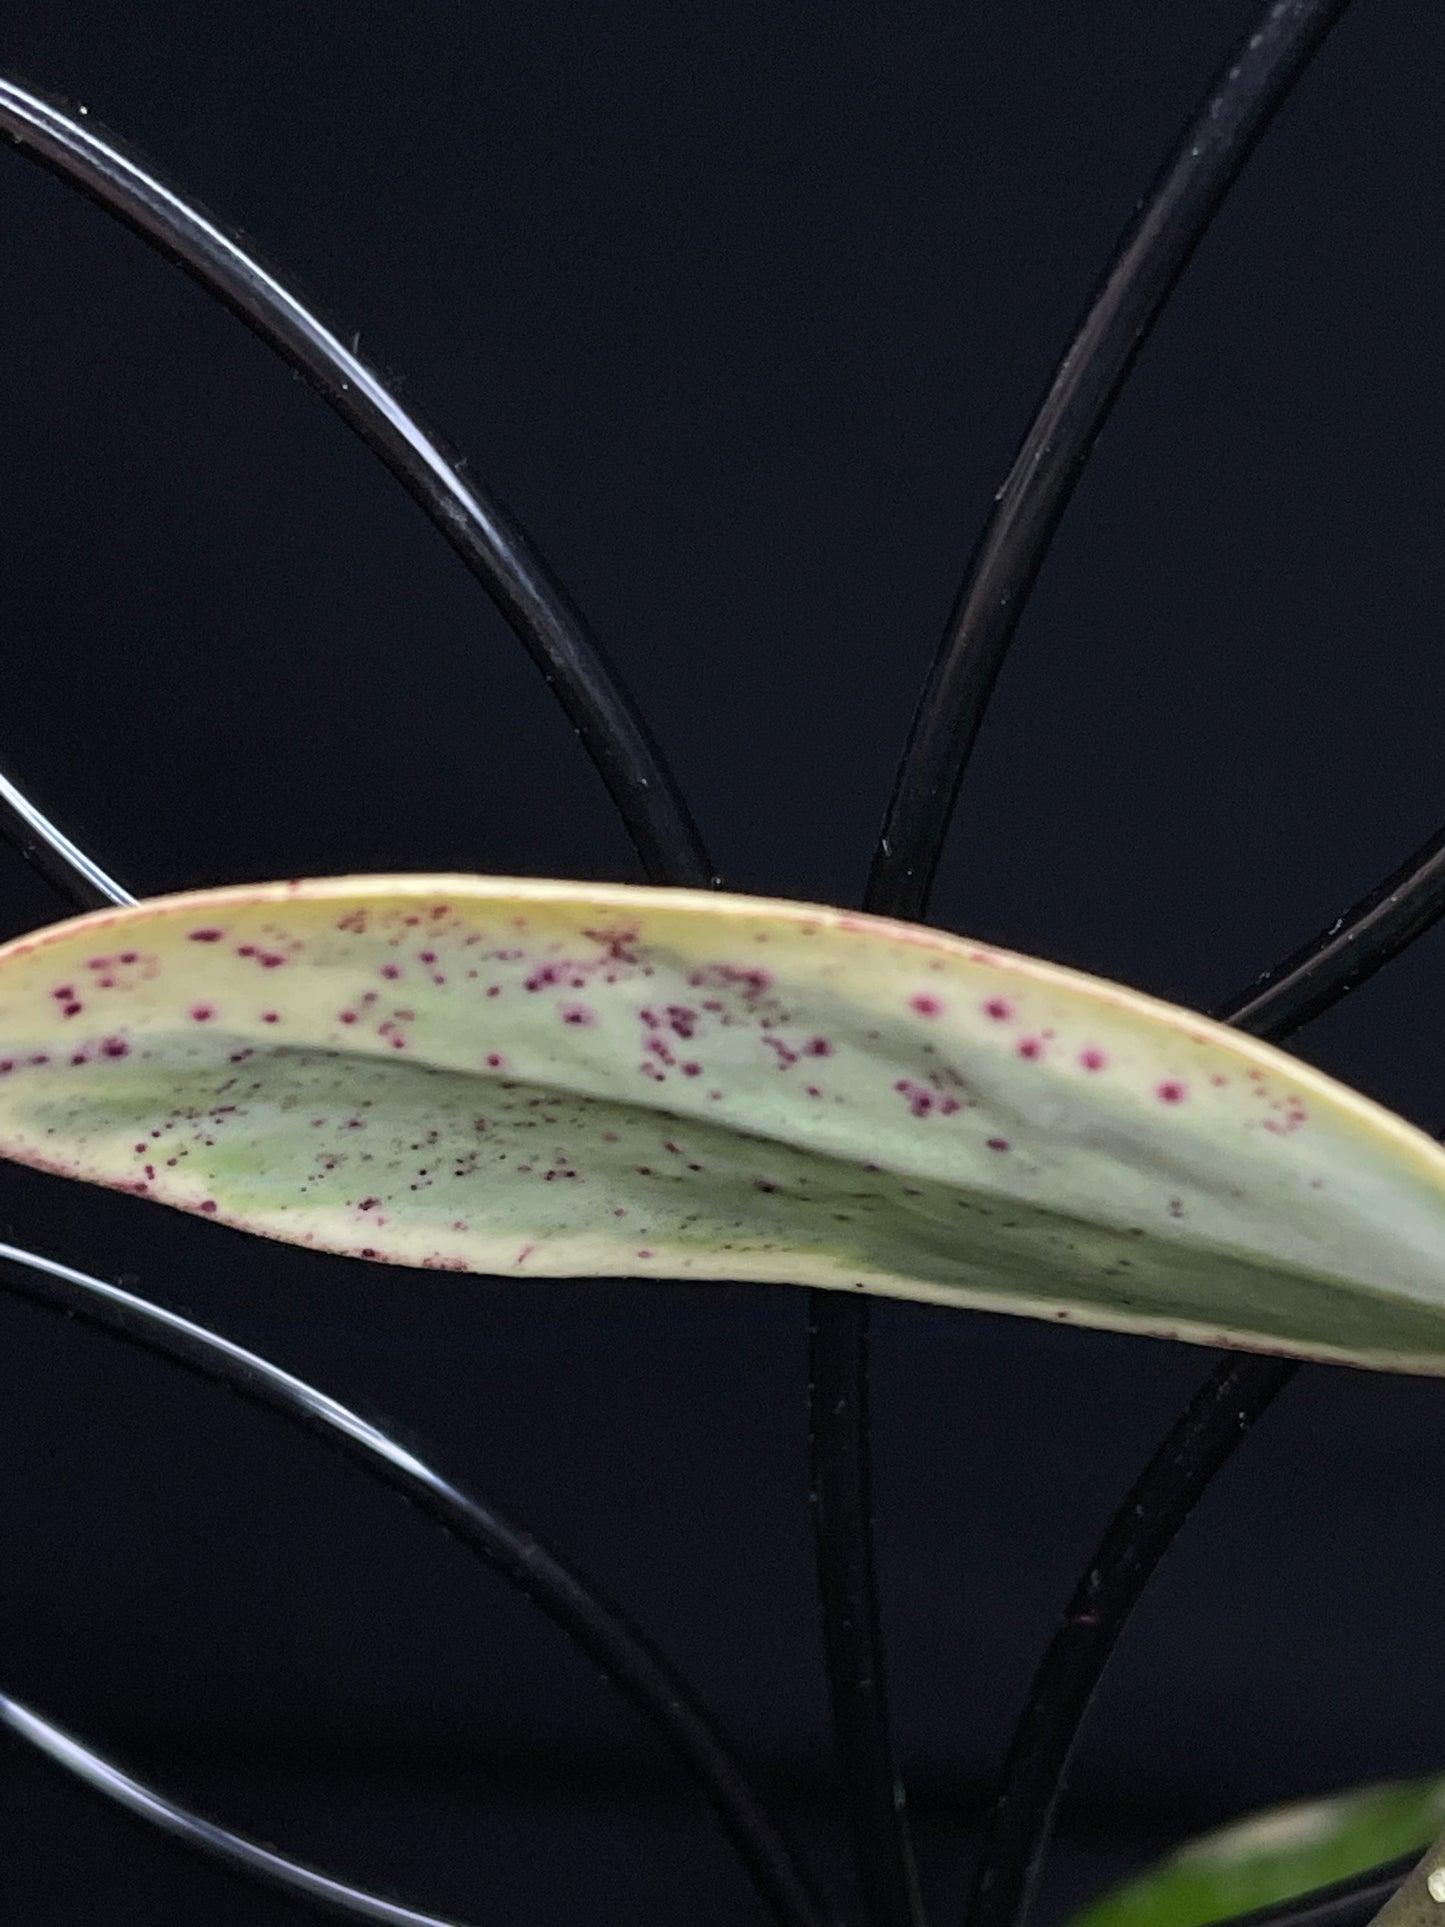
(599,1628)
(1382,924)
(1304,985)
(46,848)
(1200,1441)
(317,1893)
(1153,254)
(947,723)
(1312,978)
(481,531)
(841,1495)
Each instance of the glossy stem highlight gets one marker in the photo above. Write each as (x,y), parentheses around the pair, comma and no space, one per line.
(231,1850)
(1155,250)
(478,527)
(595,1625)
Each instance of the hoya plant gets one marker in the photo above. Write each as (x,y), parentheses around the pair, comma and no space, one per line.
(534,1079)
(544,1079)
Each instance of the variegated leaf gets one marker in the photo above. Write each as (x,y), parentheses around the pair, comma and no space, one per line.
(533,1078)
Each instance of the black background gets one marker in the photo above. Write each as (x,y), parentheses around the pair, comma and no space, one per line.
(742,308)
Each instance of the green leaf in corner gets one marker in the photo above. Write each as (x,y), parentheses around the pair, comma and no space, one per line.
(538,1079)
(1275,1856)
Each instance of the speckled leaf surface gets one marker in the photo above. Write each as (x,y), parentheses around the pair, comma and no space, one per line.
(531,1078)
(1275,1856)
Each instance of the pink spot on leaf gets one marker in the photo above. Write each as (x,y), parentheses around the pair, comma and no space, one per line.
(920,1101)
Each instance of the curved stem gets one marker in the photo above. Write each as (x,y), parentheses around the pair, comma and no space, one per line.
(1153,254)
(1304,985)
(1382,924)
(1351,949)
(49,850)
(1021,1815)
(474,522)
(231,1850)
(600,1628)
(597,1627)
